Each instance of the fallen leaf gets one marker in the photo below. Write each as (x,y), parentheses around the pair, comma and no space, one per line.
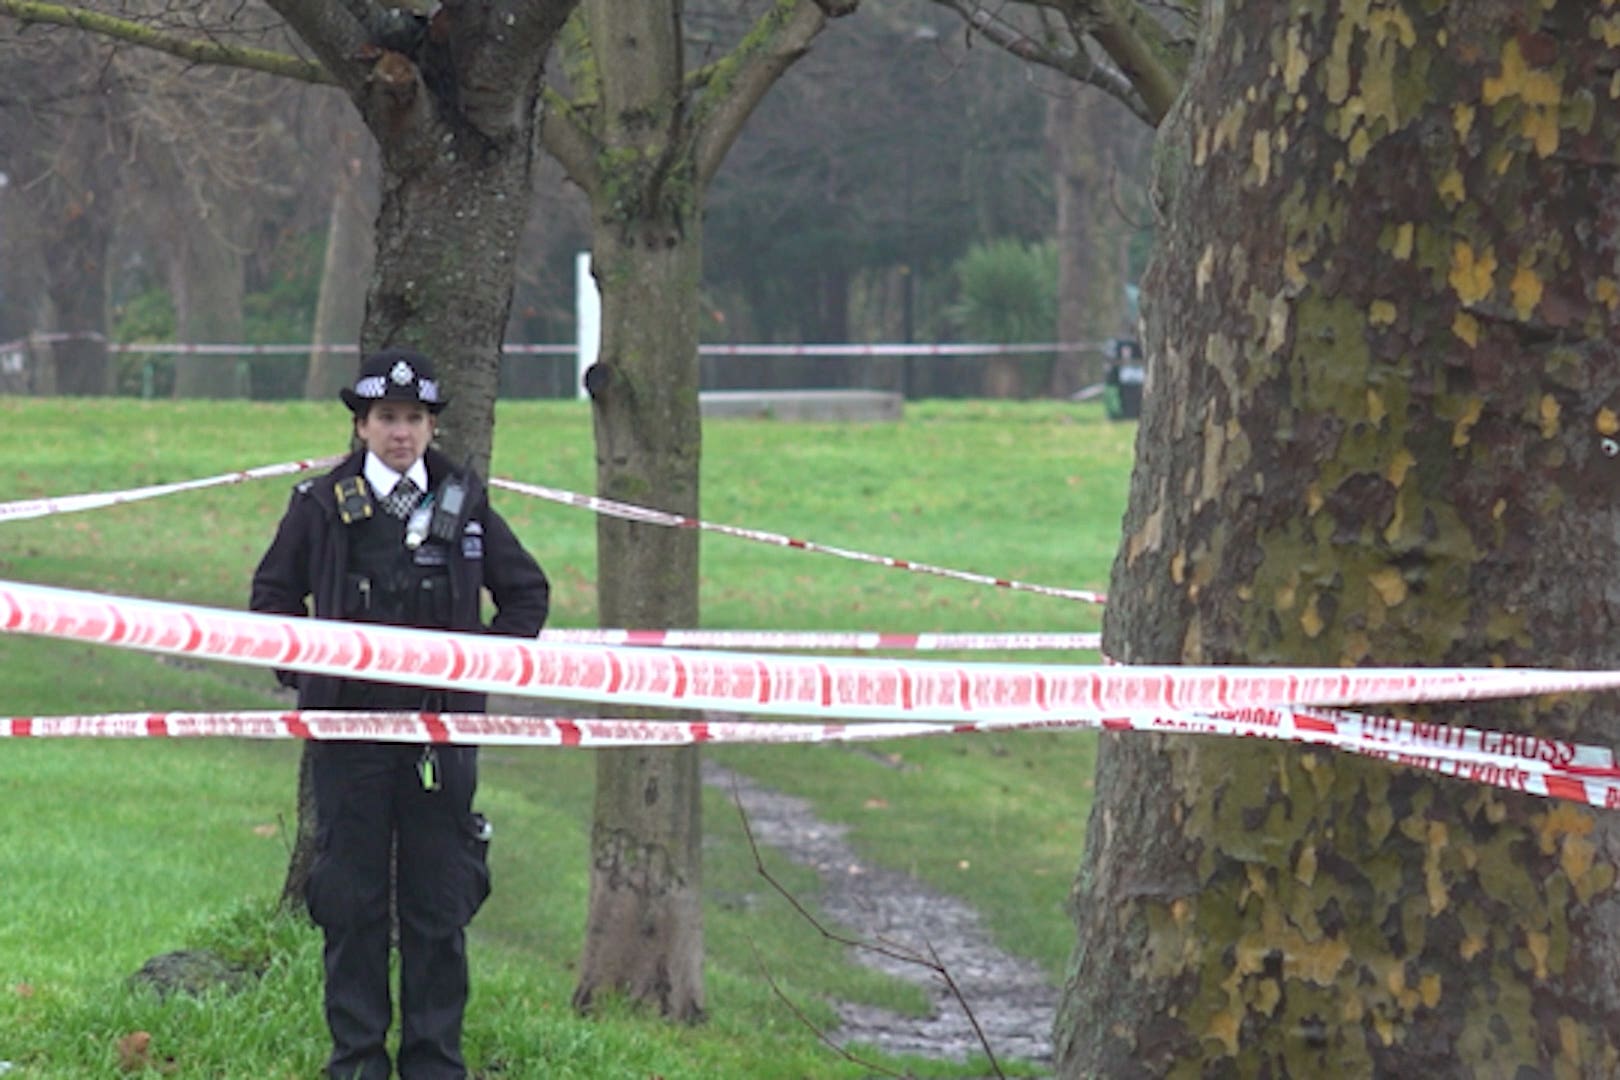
(963,865)
(265,830)
(876,804)
(23,990)
(135,1051)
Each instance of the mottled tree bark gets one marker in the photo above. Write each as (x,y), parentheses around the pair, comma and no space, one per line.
(1383,364)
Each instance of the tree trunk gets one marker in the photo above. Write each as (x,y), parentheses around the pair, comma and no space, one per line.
(302,856)
(1383,364)
(644,929)
(76,286)
(1003,378)
(207,284)
(345,270)
(444,276)
(1082,132)
(457,144)
(643,142)
(646,866)
(443,286)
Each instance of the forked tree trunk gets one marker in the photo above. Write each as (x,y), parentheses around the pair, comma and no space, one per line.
(644,146)
(1381,330)
(644,926)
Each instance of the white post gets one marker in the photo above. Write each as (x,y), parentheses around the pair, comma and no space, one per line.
(587,318)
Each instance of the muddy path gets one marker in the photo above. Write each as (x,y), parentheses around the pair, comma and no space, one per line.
(1011,998)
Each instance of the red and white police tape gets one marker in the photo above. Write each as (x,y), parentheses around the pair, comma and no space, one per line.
(572,348)
(648,516)
(29,508)
(1535,765)
(67,504)
(905,699)
(854,640)
(833,687)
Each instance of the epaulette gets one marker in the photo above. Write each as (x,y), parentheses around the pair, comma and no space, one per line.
(304,487)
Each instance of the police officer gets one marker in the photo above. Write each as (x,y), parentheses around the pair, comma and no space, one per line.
(396,534)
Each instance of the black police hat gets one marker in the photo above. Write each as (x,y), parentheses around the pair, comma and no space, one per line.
(395,374)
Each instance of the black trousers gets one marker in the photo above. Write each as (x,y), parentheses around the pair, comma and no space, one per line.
(373,812)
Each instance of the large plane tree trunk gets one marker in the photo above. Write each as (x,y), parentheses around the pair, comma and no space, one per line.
(1384,364)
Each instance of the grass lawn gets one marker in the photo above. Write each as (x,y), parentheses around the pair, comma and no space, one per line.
(114,851)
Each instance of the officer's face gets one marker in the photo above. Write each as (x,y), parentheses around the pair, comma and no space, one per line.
(398,432)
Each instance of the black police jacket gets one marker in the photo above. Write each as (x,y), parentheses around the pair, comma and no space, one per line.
(308,560)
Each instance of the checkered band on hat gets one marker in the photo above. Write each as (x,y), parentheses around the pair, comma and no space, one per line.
(395,374)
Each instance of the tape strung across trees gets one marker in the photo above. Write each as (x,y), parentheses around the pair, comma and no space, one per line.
(905,697)
(896,699)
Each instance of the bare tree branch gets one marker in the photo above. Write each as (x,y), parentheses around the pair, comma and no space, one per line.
(334,31)
(1074,62)
(893,951)
(569,140)
(731,87)
(148,37)
(815,1029)
(565,131)
(1149,57)
(1155,63)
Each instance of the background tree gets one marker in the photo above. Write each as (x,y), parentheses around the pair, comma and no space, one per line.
(1099,156)
(59,152)
(1100,55)
(1381,324)
(347,255)
(453,104)
(190,163)
(881,158)
(199,136)
(643,137)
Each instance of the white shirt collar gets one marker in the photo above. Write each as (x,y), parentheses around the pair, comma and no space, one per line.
(382,479)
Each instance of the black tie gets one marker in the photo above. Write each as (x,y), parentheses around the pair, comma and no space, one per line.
(403,499)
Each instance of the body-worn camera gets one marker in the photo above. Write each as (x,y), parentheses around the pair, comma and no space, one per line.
(439,515)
